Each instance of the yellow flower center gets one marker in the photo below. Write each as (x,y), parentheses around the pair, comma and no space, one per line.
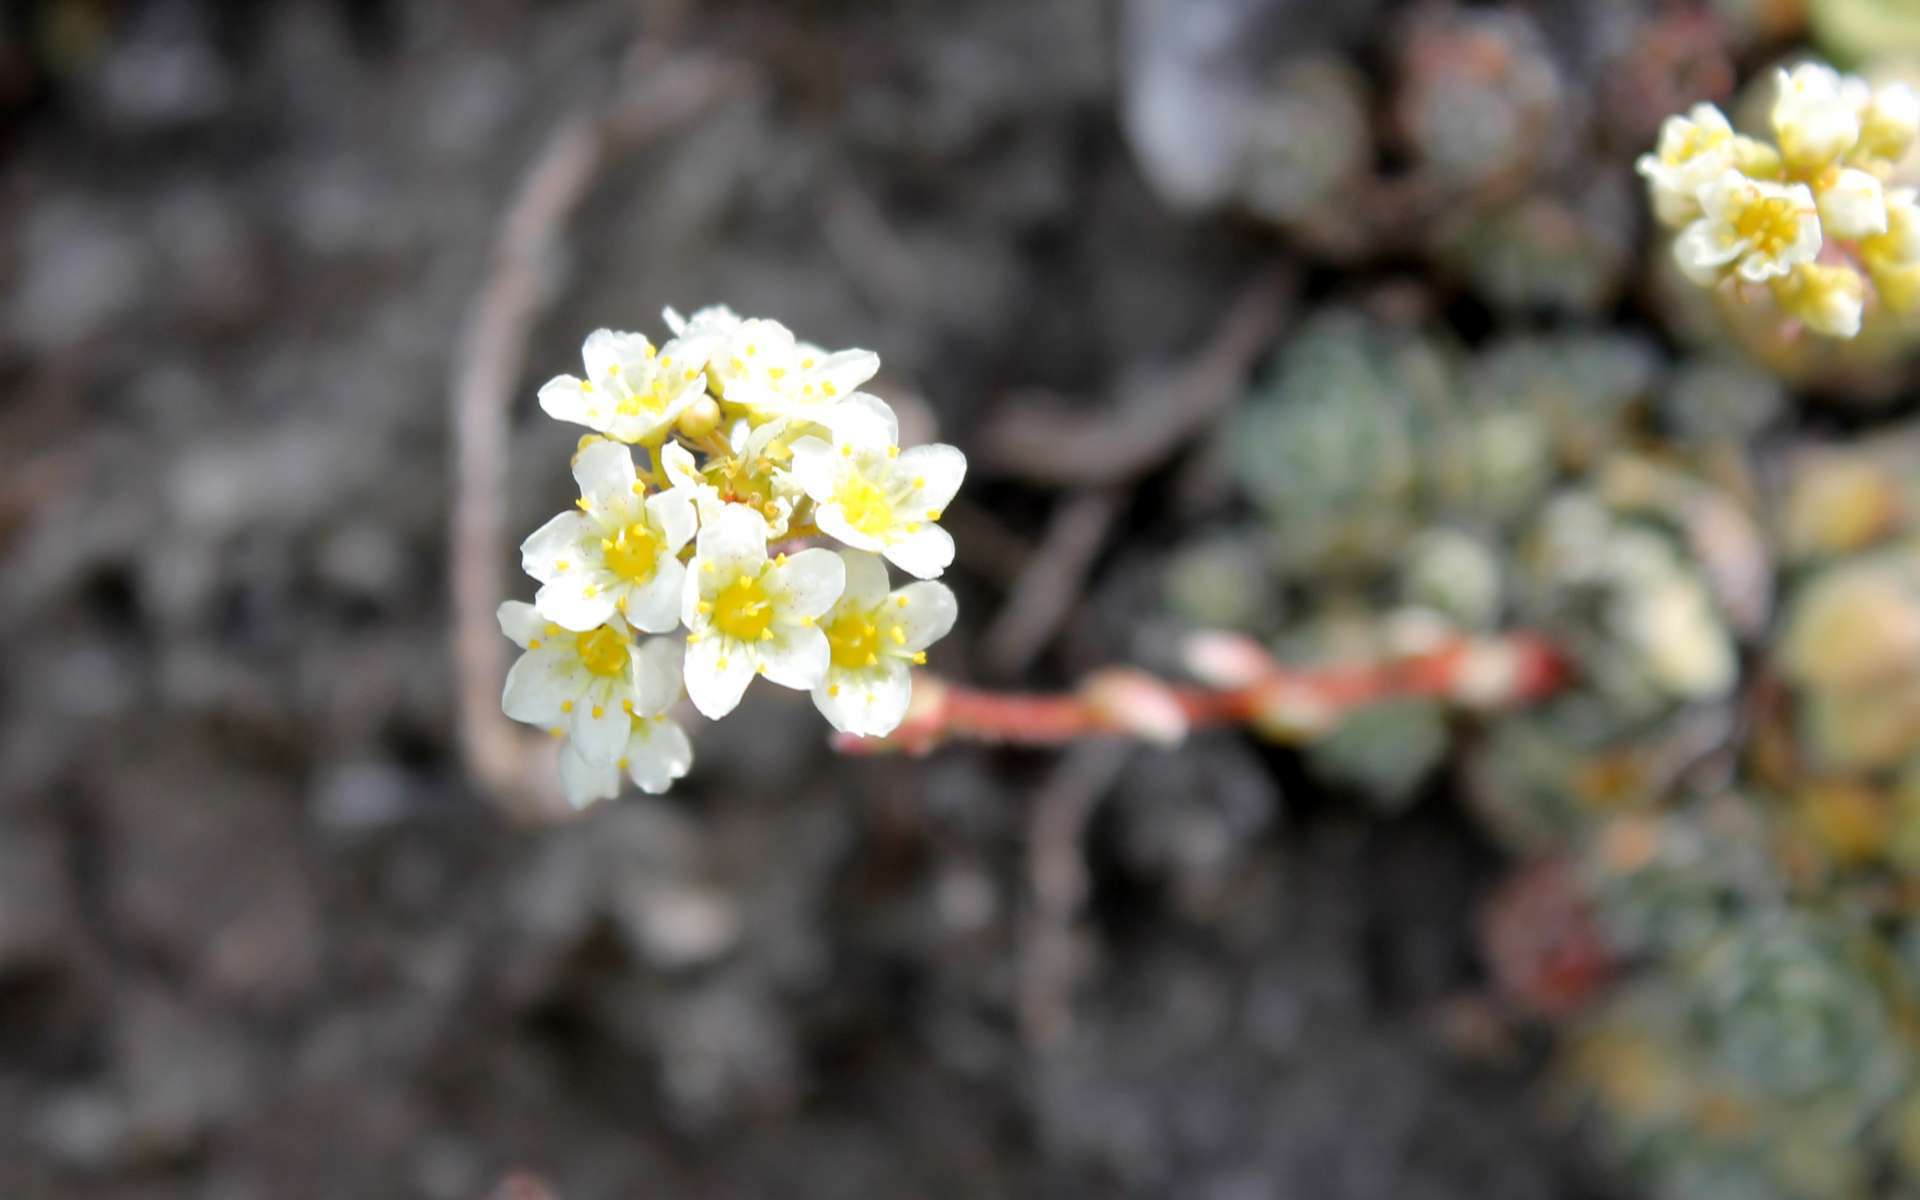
(633,552)
(854,641)
(742,610)
(865,506)
(650,399)
(603,651)
(1769,224)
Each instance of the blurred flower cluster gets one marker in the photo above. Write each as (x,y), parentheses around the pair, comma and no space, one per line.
(1730,787)
(754,442)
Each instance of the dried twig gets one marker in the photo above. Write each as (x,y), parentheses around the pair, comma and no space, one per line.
(1050,957)
(1044,592)
(486,368)
(1070,450)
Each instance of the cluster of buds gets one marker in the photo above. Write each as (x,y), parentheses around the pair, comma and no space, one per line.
(1811,217)
(697,566)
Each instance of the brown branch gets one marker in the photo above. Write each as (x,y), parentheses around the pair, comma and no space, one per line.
(503,757)
(1078,449)
(1248,688)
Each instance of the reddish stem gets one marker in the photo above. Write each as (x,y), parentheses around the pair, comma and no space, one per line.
(1494,671)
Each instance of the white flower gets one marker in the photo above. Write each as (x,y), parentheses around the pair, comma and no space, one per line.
(619,553)
(870,495)
(1890,122)
(1692,152)
(1814,115)
(713,321)
(583,684)
(1829,299)
(1901,241)
(761,367)
(632,392)
(1852,204)
(1762,230)
(749,615)
(657,750)
(872,637)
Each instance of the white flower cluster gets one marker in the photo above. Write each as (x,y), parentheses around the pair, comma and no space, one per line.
(1812,218)
(755,445)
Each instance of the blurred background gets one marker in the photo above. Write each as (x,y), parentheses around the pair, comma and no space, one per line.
(1319,323)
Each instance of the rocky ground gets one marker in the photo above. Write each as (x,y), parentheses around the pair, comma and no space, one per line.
(260,938)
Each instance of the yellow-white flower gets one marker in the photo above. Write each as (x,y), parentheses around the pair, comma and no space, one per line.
(657,750)
(873,637)
(871,495)
(632,391)
(749,614)
(1829,298)
(619,553)
(1815,117)
(1692,152)
(657,753)
(1889,122)
(585,685)
(762,367)
(1758,229)
(1852,204)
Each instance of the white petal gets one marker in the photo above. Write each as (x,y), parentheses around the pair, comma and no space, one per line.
(844,370)
(735,542)
(795,657)
(941,467)
(675,322)
(604,471)
(866,579)
(584,782)
(654,606)
(927,616)
(521,622)
(1853,205)
(810,580)
(1700,255)
(671,512)
(867,703)
(923,554)
(567,602)
(537,686)
(833,522)
(718,672)
(606,349)
(657,675)
(691,352)
(562,399)
(556,542)
(657,754)
(681,469)
(861,419)
(812,468)
(600,725)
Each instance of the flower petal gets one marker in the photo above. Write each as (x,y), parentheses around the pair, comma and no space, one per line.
(657,754)
(537,685)
(812,468)
(866,703)
(937,468)
(673,515)
(607,349)
(521,622)
(810,581)
(584,782)
(563,399)
(795,657)
(658,666)
(926,616)
(734,542)
(578,600)
(861,419)
(556,542)
(654,606)
(600,726)
(604,471)
(718,671)
(923,554)
(866,579)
